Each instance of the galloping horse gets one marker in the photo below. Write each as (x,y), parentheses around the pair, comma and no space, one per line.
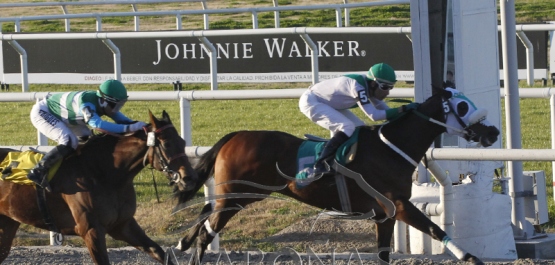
(93,193)
(385,157)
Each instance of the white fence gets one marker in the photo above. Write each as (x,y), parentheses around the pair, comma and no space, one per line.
(254,11)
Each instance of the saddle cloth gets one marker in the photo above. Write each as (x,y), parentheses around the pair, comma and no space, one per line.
(16,166)
(310,151)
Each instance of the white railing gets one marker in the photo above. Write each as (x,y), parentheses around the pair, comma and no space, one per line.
(205,12)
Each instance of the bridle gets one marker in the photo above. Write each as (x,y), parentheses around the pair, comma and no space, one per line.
(153,143)
(447,109)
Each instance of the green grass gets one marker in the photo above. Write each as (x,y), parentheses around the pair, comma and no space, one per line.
(527,11)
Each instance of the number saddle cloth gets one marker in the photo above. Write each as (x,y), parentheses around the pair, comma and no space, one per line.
(16,166)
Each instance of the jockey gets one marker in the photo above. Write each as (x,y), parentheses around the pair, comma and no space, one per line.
(63,117)
(327,103)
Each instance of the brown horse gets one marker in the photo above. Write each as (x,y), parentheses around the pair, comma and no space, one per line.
(244,168)
(92,191)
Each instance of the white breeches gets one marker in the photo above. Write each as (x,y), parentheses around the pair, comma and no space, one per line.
(54,128)
(328,117)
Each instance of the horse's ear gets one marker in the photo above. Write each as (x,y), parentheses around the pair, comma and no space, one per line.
(153,119)
(436,90)
(166,116)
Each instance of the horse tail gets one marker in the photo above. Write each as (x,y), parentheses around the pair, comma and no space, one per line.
(205,168)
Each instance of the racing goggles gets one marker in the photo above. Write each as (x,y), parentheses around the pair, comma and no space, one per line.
(114,103)
(383,86)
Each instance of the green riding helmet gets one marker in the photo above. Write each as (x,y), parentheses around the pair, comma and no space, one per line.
(382,73)
(112,91)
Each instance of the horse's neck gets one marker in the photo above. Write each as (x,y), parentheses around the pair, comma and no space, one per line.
(413,136)
(123,154)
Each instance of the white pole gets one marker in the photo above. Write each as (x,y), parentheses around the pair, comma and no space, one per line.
(552,105)
(552,50)
(512,110)
(529,57)
(400,237)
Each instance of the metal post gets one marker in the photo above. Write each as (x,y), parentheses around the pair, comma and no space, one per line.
(185,119)
(512,112)
(276,15)
(552,53)
(552,105)
(23,61)
(314,56)
(117,58)
(213,63)
(529,57)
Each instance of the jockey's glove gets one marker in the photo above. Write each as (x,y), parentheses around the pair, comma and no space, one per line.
(394,113)
(410,106)
(135,126)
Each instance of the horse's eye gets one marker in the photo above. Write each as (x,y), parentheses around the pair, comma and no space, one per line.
(462,108)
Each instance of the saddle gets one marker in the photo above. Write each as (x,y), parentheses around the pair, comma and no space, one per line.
(16,166)
(310,150)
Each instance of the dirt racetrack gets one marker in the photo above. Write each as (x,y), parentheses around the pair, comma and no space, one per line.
(126,256)
(320,237)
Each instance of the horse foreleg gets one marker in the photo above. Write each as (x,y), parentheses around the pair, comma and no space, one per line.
(95,240)
(224,210)
(409,214)
(384,231)
(186,242)
(8,228)
(135,236)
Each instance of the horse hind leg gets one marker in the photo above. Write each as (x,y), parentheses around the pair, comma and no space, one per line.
(8,228)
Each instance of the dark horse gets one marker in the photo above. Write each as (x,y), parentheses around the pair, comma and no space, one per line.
(251,157)
(93,193)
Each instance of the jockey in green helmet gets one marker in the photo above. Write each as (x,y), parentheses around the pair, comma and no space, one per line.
(66,117)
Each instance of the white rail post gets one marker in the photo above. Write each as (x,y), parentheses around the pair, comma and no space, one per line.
(276,14)
(23,61)
(529,57)
(552,105)
(213,63)
(552,53)
(117,58)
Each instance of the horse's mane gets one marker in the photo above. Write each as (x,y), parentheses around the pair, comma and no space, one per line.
(99,137)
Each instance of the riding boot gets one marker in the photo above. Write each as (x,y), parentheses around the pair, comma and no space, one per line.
(40,172)
(322,165)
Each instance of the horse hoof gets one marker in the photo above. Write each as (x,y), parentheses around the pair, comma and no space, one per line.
(183,245)
(179,246)
(473,259)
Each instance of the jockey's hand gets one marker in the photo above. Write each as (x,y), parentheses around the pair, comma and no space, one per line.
(135,126)
(410,106)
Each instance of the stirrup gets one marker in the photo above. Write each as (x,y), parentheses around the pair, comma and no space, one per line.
(327,171)
(40,179)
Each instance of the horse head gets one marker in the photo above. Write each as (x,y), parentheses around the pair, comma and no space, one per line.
(167,152)
(461,117)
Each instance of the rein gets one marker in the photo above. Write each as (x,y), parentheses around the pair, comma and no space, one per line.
(430,119)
